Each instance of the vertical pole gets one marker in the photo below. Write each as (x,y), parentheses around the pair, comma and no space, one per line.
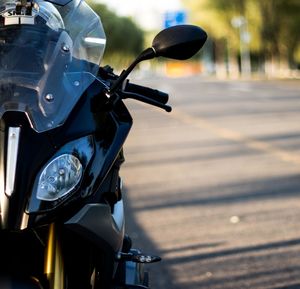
(242,24)
(244,48)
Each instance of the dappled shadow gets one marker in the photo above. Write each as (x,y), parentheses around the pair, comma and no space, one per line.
(294,286)
(231,153)
(239,192)
(259,266)
(160,274)
(281,136)
(256,266)
(260,279)
(178,145)
(208,150)
(193,247)
(237,251)
(268,267)
(246,112)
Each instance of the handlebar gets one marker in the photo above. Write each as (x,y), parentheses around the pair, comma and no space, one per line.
(129,90)
(148,92)
(146,95)
(145,99)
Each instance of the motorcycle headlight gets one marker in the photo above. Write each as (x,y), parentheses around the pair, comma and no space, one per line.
(59,178)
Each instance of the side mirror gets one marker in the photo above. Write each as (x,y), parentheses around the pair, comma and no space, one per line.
(178,42)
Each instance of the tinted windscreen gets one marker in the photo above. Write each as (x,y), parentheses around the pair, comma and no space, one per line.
(39,75)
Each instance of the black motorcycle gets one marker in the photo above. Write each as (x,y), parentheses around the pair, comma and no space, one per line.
(63,124)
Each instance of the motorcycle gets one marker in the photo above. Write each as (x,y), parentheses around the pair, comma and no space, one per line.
(63,123)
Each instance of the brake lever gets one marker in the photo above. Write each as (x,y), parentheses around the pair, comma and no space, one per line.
(145,99)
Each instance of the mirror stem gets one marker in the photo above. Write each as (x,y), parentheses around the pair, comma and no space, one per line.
(149,53)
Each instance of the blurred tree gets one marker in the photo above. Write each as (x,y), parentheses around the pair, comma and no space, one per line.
(125,40)
(280,34)
(273,28)
(216,17)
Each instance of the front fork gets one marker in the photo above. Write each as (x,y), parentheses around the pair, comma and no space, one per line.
(54,265)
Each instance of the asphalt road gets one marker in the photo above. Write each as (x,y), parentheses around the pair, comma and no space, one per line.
(214,186)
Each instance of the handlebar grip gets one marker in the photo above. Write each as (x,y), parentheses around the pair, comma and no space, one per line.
(154,94)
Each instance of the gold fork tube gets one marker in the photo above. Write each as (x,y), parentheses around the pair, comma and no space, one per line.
(54,267)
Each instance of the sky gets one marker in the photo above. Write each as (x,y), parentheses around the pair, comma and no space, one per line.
(148,13)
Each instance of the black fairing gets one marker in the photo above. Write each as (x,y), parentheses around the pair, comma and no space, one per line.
(106,131)
(34,149)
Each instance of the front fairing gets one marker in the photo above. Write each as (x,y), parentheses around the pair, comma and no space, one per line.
(86,129)
(49,59)
(33,149)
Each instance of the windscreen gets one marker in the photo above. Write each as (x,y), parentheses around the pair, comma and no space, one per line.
(47,61)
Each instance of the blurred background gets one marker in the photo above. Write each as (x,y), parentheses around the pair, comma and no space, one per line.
(214,186)
(246,37)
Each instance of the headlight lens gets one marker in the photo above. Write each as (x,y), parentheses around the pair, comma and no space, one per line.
(59,177)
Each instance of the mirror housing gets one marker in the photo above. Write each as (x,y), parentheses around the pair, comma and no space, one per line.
(179,42)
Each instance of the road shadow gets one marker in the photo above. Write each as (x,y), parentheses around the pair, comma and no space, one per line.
(294,286)
(207,150)
(266,265)
(261,266)
(237,251)
(226,194)
(160,274)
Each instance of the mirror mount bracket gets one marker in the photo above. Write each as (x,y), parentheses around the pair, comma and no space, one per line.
(147,54)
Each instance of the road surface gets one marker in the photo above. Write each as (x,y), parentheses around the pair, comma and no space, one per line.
(214,186)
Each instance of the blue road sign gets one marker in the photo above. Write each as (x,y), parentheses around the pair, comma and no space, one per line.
(173,18)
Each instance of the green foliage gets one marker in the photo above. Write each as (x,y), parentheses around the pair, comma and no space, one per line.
(273,25)
(281,32)
(125,40)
